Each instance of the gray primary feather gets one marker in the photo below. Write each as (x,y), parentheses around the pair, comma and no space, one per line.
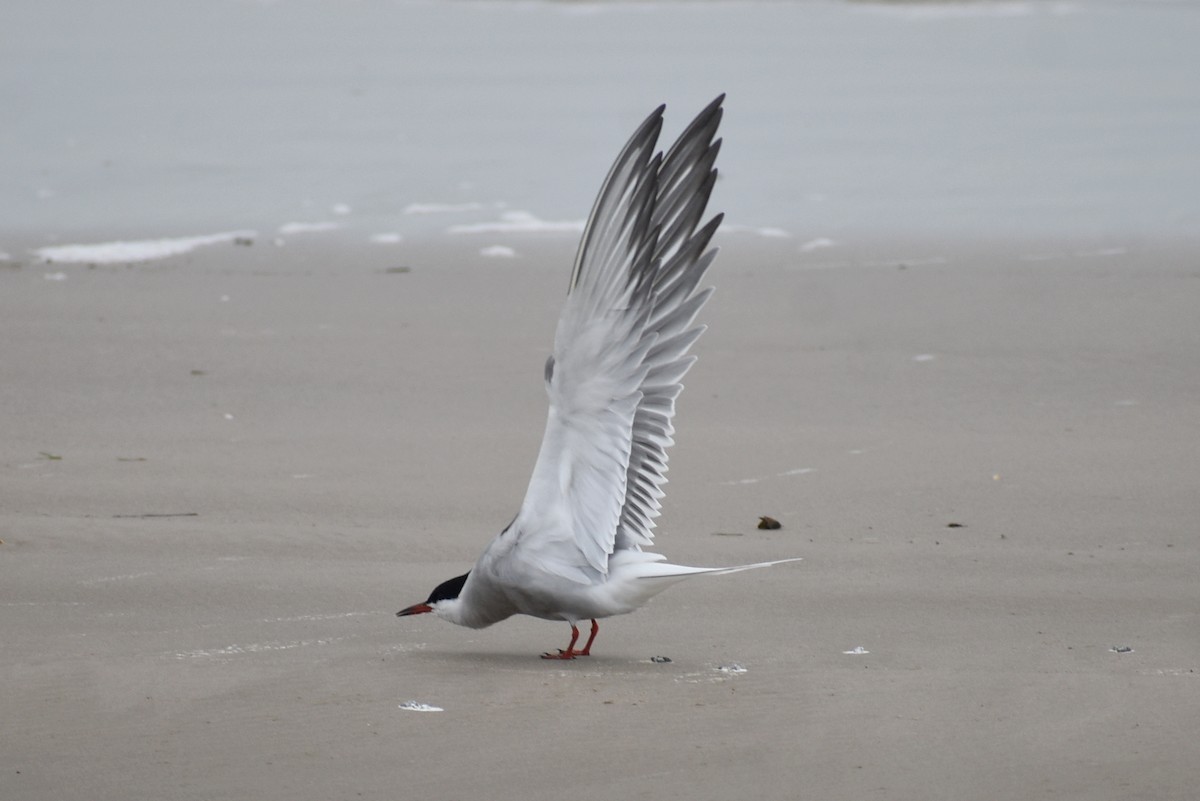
(620,353)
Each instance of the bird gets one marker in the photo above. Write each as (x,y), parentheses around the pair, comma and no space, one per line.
(575,550)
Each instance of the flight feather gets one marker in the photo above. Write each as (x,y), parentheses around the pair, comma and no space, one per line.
(621,351)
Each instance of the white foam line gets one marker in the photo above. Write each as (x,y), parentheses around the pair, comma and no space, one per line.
(253,648)
(769,232)
(125,577)
(301,618)
(308,227)
(441,208)
(389,238)
(519,222)
(949,11)
(43,603)
(796,471)
(136,250)
(1078,254)
(817,244)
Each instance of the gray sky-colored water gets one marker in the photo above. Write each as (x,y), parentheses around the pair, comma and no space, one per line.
(132,118)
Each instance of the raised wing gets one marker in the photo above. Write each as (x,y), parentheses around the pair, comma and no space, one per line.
(620,352)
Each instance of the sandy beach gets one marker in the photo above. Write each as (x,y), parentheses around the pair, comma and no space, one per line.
(225,472)
(953,350)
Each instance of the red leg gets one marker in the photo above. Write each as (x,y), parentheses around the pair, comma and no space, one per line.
(570,653)
(587,649)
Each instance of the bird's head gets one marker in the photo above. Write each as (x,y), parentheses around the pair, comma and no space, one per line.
(442,599)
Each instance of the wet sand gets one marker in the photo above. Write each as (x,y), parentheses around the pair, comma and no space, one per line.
(223,472)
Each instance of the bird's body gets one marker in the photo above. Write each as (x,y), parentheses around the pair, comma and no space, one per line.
(574,551)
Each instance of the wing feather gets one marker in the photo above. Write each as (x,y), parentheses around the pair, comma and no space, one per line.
(620,353)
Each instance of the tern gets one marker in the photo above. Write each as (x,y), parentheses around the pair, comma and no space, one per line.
(574,552)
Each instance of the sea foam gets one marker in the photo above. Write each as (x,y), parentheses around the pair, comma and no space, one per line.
(135,251)
(521,222)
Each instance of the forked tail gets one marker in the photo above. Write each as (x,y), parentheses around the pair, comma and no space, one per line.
(634,577)
(653,570)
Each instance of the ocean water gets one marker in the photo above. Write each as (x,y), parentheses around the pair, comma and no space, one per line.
(386,121)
